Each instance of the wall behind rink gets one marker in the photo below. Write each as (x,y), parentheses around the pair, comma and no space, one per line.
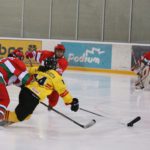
(89,56)
(95,56)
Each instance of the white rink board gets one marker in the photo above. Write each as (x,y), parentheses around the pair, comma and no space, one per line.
(121,57)
(121,52)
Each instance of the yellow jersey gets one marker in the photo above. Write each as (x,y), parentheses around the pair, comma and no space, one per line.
(45,82)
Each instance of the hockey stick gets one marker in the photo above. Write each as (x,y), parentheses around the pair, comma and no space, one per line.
(136,64)
(30,62)
(129,124)
(91,123)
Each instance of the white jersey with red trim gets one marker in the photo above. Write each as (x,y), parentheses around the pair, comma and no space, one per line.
(13,71)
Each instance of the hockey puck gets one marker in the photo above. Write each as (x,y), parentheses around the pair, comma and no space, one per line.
(131,123)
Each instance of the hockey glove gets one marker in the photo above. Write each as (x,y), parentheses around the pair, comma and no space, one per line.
(75,104)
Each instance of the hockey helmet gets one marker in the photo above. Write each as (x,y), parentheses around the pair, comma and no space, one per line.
(17,53)
(59,47)
(50,63)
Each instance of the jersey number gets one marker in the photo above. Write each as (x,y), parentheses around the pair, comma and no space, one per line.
(41,81)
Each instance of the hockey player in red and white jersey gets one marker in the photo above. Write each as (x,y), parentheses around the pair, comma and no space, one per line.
(62,65)
(12,71)
(143,71)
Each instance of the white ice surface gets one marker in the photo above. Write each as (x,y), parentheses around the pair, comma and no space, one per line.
(109,95)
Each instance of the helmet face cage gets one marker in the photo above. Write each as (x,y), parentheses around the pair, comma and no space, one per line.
(50,63)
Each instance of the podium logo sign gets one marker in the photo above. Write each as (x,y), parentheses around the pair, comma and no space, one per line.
(88,55)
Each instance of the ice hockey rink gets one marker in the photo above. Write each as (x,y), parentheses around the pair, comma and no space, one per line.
(106,94)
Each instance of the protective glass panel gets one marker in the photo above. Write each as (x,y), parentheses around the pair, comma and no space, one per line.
(36,18)
(10,18)
(141,21)
(64,19)
(117,15)
(90,20)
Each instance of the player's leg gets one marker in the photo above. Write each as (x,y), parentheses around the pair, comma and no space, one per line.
(10,118)
(4,98)
(139,84)
(27,103)
(146,78)
(53,99)
(142,77)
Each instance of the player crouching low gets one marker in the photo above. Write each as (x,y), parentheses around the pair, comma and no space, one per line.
(12,72)
(46,80)
(143,72)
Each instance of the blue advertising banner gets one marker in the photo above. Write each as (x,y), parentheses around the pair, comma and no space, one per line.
(88,55)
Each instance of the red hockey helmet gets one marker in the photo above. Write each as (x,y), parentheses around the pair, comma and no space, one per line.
(59,47)
(17,53)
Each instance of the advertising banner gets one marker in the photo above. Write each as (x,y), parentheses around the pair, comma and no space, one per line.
(88,55)
(7,46)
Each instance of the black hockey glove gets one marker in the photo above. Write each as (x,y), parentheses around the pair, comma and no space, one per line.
(75,104)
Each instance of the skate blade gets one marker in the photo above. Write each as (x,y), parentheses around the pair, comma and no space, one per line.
(5,123)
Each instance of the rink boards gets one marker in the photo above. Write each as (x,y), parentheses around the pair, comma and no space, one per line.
(84,55)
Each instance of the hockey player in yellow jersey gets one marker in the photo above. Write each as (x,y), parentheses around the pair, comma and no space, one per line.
(46,79)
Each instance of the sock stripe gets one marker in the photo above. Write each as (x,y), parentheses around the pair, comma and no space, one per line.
(3,107)
(6,115)
(1,112)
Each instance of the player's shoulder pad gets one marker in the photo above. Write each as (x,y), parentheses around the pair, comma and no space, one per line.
(32,69)
(53,74)
(47,51)
(63,61)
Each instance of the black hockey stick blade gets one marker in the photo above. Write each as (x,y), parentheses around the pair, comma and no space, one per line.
(89,124)
(131,123)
